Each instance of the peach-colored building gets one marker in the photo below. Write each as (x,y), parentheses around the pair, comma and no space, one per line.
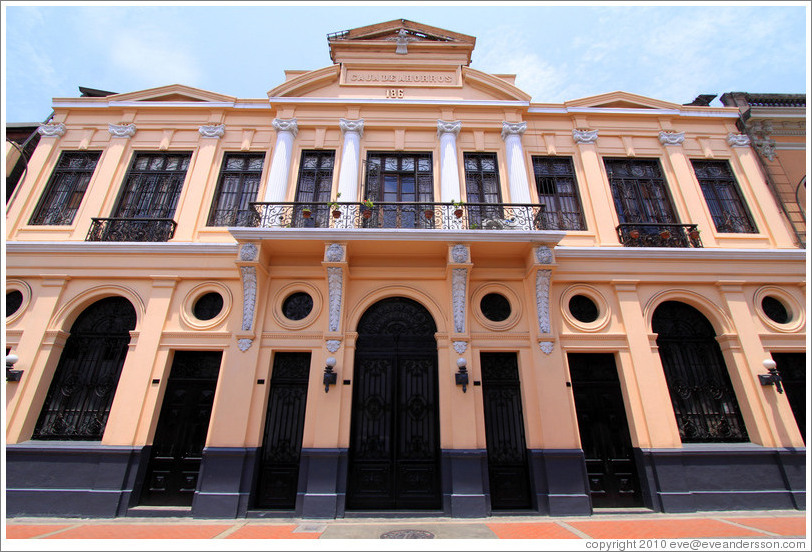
(397,283)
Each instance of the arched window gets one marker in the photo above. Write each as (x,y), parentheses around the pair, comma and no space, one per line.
(701,393)
(85,380)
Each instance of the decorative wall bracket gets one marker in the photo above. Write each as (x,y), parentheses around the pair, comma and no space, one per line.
(51,129)
(584,135)
(121,131)
(671,138)
(212,131)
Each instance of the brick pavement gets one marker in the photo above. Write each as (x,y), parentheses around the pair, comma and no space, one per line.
(782,524)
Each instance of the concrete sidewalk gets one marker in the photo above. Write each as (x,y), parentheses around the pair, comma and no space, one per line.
(749,524)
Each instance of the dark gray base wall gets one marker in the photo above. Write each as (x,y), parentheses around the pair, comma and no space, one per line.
(322,483)
(723,477)
(559,479)
(47,478)
(465,483)
(225,483)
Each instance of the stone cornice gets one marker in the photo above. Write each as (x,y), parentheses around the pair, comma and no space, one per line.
(128,248)
(380,234)
(672,253)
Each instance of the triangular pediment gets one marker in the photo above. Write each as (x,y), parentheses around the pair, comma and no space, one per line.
(391,30)
(621,100)
(171,93)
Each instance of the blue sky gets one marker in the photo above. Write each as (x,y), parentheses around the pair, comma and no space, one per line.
(671,52)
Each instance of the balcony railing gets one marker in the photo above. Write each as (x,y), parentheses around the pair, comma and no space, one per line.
(469,216)
(131,229)
(658,235)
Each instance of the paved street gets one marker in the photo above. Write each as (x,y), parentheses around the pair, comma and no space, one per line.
(773,524)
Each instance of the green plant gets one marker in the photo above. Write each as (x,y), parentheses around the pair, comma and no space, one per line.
(334,204)
(457,204)
(368,203)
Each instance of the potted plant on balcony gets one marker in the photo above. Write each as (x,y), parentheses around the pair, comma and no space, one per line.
(367,211)
(634,234)
(694,234)
(306,212)
(457,208)
(429,213)
(334,206)
(665,234)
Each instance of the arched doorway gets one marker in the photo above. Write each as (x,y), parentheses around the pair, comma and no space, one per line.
(704,402)
(78,401)
(394,457)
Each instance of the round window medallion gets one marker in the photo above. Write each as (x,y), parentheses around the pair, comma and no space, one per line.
(14,300)
(495,307)
(208,306)
(775,310)
(583,309)
(297,306)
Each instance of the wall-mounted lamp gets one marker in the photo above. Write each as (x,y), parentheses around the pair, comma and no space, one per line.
(330,377)
(11,374)
(773,377)
(461,376)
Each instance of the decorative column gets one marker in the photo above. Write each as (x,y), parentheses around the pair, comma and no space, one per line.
(286,131)
(695,203)
(449,171)
(517,172)
(350,158)
(248,263)
(596,189)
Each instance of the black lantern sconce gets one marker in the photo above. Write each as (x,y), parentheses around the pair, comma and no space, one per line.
(461,377)
(11,374)
(330,377)
(773,378)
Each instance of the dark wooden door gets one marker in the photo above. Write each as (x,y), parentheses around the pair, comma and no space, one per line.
(792,368)
(177,449)
(394,460)
(504,432)
(604,431)
(284,426)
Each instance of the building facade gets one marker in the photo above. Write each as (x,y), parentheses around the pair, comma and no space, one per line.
(398,284)
(776,125)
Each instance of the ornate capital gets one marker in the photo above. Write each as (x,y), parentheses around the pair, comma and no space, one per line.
(766,148)
(334,253)
(346,125)
(212,131)
(510,129)
(459,253)
(121,131)
(671,138)
(333,345)
(52,129)
(738,140)
(248,252)
(286,125)
(544,255)
(584,135)
(451,127)
(244,344)
(460,346)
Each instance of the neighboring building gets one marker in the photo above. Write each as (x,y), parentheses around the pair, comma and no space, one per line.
(206,327)
(776,126)
(21,141)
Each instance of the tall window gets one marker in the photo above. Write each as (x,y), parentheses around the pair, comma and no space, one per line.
(702,396)
(482,187)
(153,185)
(66,188)
(729,212)
(239,181)
(314,186)
(78,401)
(639,191)
(558,194)
(400,178)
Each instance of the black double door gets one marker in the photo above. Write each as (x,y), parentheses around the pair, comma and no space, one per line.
(284,427)
(604,431)
(177,450)
(394,457)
